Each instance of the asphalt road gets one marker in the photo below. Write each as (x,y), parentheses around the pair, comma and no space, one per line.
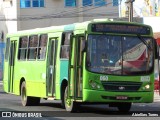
(11,105)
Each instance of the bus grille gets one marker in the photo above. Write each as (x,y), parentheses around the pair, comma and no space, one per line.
(122,86)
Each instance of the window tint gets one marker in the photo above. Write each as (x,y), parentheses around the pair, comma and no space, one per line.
(31,3)
(33,45)
(65,45)
(99,2)
(38,3)
(7,49)
(94,2)
(115,2)
(87,3)
(70,3)
(42,46)
(23,43)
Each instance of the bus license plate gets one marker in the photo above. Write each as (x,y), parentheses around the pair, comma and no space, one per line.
(121,97)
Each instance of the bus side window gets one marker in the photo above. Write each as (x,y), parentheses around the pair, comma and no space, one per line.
(42,46)
(22,51)
(65,45)
(32,49)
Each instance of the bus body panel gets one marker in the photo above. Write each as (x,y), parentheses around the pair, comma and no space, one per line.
(63,69)
(34,77)
(100,94)
(5,78)
(105,96)
(35,73)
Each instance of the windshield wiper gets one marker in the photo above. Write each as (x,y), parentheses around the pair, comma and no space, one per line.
(142,39)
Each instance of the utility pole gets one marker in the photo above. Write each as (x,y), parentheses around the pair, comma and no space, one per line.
(130,6)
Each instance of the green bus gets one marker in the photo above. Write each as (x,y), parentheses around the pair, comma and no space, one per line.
(98,61)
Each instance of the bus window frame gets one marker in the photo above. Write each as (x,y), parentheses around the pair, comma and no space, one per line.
(7,49)
(19,43)
(38,50)
(32,48)
(63,40)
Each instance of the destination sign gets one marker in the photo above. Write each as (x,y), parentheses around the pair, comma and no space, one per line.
(120,28)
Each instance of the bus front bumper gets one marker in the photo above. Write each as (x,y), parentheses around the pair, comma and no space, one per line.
(106,96)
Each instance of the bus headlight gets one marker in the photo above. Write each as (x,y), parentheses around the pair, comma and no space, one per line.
(94,85)
(147,86)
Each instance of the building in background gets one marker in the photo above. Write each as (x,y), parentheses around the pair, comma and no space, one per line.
(29,14)
(2,45)
(18,15)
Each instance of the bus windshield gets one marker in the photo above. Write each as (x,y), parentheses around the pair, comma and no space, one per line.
(119,55)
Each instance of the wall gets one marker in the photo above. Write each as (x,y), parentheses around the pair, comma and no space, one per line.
(64,15)
(10,12)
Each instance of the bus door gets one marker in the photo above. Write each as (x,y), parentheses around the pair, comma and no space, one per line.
(11,65)
(51,66)
(76,67)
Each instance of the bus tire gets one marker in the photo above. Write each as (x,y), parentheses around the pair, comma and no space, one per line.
(62,95)
(26,100)
(62,99)
(124,107)
(70,105)
(35,101)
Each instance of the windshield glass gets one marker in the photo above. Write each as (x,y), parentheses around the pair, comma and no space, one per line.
(120,55)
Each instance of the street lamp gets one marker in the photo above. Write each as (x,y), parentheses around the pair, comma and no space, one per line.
(130,5)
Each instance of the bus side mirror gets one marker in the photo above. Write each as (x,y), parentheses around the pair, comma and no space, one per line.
(156,48)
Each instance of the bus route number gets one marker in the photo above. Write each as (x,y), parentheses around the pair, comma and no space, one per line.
(145,78)
(103,78)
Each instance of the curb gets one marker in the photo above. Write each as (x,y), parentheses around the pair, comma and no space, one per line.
(156,96)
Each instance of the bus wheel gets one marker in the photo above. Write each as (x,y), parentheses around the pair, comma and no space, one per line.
(26,100)
(70,105)
(63,95)
(124,107)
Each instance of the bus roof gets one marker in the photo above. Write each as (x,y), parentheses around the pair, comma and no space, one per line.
(65,28)
(61,28)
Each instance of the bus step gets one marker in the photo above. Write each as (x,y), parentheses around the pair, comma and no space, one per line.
(50,98)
